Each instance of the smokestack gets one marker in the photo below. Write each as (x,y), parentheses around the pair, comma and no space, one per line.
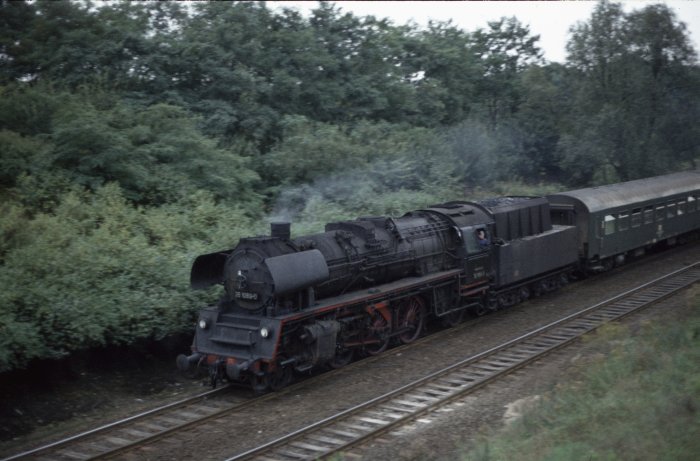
(281,230)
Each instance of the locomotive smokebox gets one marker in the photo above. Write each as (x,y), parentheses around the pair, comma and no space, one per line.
(281,230)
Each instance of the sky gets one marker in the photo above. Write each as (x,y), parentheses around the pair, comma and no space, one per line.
(550,20)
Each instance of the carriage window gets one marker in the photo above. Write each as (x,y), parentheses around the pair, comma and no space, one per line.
(623,221)
(609,224)
(636,217)
(681,207)
(648,215)
(692,204)
(670,210)
(660,212)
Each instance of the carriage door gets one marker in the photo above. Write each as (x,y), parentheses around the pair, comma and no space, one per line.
(476,248)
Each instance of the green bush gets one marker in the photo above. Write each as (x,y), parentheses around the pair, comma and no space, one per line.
(97,271)
(19,155)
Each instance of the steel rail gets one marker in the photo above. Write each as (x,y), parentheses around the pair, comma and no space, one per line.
(115,424)
(351,427)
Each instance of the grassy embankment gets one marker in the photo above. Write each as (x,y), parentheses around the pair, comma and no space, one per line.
(640,400)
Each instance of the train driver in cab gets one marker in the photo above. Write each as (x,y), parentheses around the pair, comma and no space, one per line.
(482,238)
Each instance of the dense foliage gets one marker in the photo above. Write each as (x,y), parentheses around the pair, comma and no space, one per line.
(134,135)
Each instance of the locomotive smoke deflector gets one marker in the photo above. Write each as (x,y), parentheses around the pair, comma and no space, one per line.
(296,271)
(208,270)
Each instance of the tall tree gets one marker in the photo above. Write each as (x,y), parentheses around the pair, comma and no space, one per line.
(71,43)
(541,116)
(595,46)
(666,86)
(634,91)
(447,66)
(15,22)
(504,50)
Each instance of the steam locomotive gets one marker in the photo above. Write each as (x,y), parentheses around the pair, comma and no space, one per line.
(291,305)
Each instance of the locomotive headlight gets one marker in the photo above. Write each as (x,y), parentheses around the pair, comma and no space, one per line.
(264,332)
(203,324)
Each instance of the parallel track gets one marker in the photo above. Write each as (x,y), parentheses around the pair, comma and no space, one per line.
(356,425)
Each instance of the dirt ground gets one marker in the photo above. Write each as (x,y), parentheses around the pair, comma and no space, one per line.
(33,414)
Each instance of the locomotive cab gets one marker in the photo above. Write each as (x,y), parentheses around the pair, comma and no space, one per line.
(475,251)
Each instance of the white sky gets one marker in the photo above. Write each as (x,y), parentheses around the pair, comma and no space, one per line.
(550,20)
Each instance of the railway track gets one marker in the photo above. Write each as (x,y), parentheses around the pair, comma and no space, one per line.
(347,429)
(113,439)
(127,435)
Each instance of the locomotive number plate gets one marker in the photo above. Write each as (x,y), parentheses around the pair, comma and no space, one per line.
(245,295)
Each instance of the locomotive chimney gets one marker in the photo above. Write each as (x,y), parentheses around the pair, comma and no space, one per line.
(281,230)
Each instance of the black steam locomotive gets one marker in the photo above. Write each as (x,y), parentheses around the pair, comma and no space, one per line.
(291,305)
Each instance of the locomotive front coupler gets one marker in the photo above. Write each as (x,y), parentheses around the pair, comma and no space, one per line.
(234,370)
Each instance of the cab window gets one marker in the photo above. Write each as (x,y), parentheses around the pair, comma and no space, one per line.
(476,239)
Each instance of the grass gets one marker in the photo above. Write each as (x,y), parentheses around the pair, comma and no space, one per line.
(638,401)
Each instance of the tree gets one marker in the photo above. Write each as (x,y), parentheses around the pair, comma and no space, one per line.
(540,120)
(15,22)
(595,46)
(72,42)
(444,70)
(504,51)
(666,87)
(157,154)
(634,91)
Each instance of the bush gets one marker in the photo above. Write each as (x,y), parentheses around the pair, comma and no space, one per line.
(97,271)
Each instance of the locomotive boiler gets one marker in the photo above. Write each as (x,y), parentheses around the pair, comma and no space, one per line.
(278,274)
